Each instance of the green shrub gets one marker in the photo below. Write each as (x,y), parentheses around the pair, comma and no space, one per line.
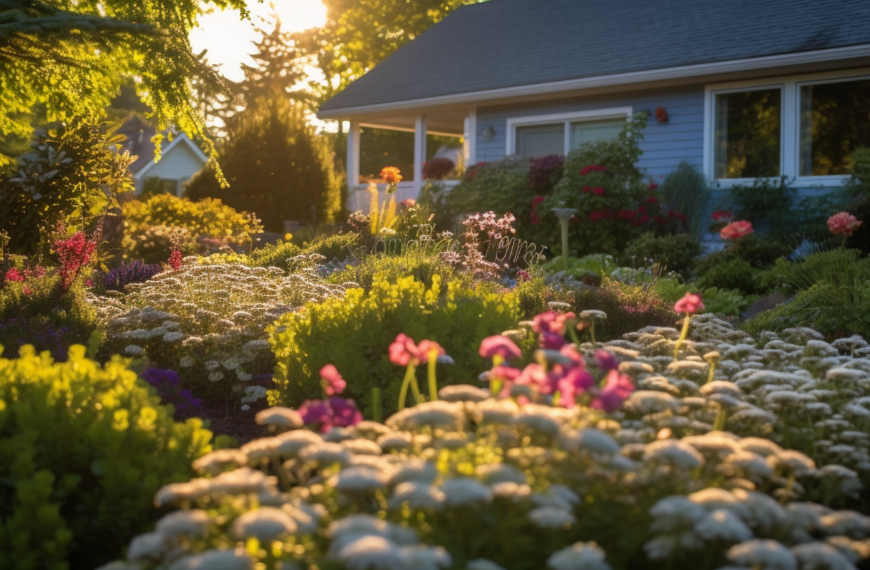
(207,217)
(831,294)
(614,202)
(83,449)
(597,263)
(686,191)
(860,238)
(420,266)
(354,334)
(628,308)
(673,252)
(338,246)
(732,273)
(730,302)
(33,312)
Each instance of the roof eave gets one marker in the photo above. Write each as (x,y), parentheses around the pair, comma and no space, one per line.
(607,81)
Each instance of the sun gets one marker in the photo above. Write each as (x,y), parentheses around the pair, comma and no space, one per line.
(227,38)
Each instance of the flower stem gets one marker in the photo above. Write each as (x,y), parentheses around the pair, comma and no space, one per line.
(433,384)
(403,392)
(683,335)
(415,389)
(592,331)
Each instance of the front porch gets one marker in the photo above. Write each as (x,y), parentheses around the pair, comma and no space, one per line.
(461,124)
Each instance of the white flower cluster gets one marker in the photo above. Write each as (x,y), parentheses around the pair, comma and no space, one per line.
(711,464)
(209,321)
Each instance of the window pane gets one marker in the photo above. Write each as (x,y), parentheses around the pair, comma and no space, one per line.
(541,140)
(835,120)
(592,131)
(747,134)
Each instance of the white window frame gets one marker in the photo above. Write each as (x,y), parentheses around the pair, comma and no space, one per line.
(790,86)
(566,119)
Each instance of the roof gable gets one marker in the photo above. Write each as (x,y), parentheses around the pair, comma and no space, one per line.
(508,43)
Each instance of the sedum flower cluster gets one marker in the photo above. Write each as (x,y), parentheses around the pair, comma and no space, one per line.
(208,321)
(705,465)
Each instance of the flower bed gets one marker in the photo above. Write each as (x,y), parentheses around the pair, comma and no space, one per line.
(738,452)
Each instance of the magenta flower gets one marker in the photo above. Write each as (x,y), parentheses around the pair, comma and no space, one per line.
(506,373)
(316,413)
(551,340)
(499,345)
(575,382)
(617,388)
(534,375)
(344,412)
(334,384)
(403,351)
(605,360)
(690,303)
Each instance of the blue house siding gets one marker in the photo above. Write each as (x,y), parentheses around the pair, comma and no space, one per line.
(665,145)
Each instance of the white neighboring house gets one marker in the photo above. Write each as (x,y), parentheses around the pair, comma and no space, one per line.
(180,160)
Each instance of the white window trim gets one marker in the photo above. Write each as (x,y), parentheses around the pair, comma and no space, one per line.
(789,124)
(566,119)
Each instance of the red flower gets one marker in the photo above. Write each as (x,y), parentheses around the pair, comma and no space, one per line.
(690,303)
(644,218)
(598,191)
(501,346)
(74,254)
(661,115)
(722,216)
(652,200)
(592,168)
(334,384)
(641,209)
(587,188)
(595,215)
(534,216)
(653,186)
(523,276)
(661,220)
(175,261)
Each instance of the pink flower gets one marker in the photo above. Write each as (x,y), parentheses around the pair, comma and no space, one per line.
(506,373)
(334,383)
(843,223)
(736,230)
(548,322)
(426,348)
(535,376)
(613,394)
(501,346)
(534,216)
(14,275)
(690,303)
(575,382)
(403,351)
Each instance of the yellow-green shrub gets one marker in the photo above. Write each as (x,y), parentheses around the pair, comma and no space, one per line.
(355,332)
(82,451)
(337,246)
(208,217)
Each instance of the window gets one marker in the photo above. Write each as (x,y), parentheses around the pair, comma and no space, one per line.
(834,121)
(747,133)
(804,128)
(534,137)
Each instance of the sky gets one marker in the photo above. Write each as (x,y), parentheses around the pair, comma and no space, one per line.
(229,39)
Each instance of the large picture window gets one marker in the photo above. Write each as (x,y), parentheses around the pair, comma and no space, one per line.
(802,127)
(534,137)
(834,121)
(747,136)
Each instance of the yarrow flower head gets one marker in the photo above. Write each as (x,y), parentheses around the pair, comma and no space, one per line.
(690,303)
(843,223)
(333,383)
(736,230)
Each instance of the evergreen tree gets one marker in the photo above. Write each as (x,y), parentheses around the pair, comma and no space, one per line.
(72,57)
(276,165)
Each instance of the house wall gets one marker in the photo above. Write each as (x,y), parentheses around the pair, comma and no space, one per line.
(665,145)
(180,163)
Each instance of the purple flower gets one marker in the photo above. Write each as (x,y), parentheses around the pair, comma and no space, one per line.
(168,385)
(130,272)
(316,413)
(605,360)
(613,394)
(344,412)
(552,340)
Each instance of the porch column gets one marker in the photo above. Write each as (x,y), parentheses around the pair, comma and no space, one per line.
(352,157)
(469,147)
(419,151)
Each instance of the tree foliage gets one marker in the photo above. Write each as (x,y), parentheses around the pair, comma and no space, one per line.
(71,57)
(276,165)
(359,34)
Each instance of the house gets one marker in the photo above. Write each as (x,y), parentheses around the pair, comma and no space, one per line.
(180,160)
(740,89)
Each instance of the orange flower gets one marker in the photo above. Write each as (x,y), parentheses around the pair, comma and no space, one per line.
(391,175)
(736,230)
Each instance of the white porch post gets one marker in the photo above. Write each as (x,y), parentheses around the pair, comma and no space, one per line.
(469,149)
(352,160)
(419,151)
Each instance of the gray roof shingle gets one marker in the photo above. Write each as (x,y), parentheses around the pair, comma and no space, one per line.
(509,43)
